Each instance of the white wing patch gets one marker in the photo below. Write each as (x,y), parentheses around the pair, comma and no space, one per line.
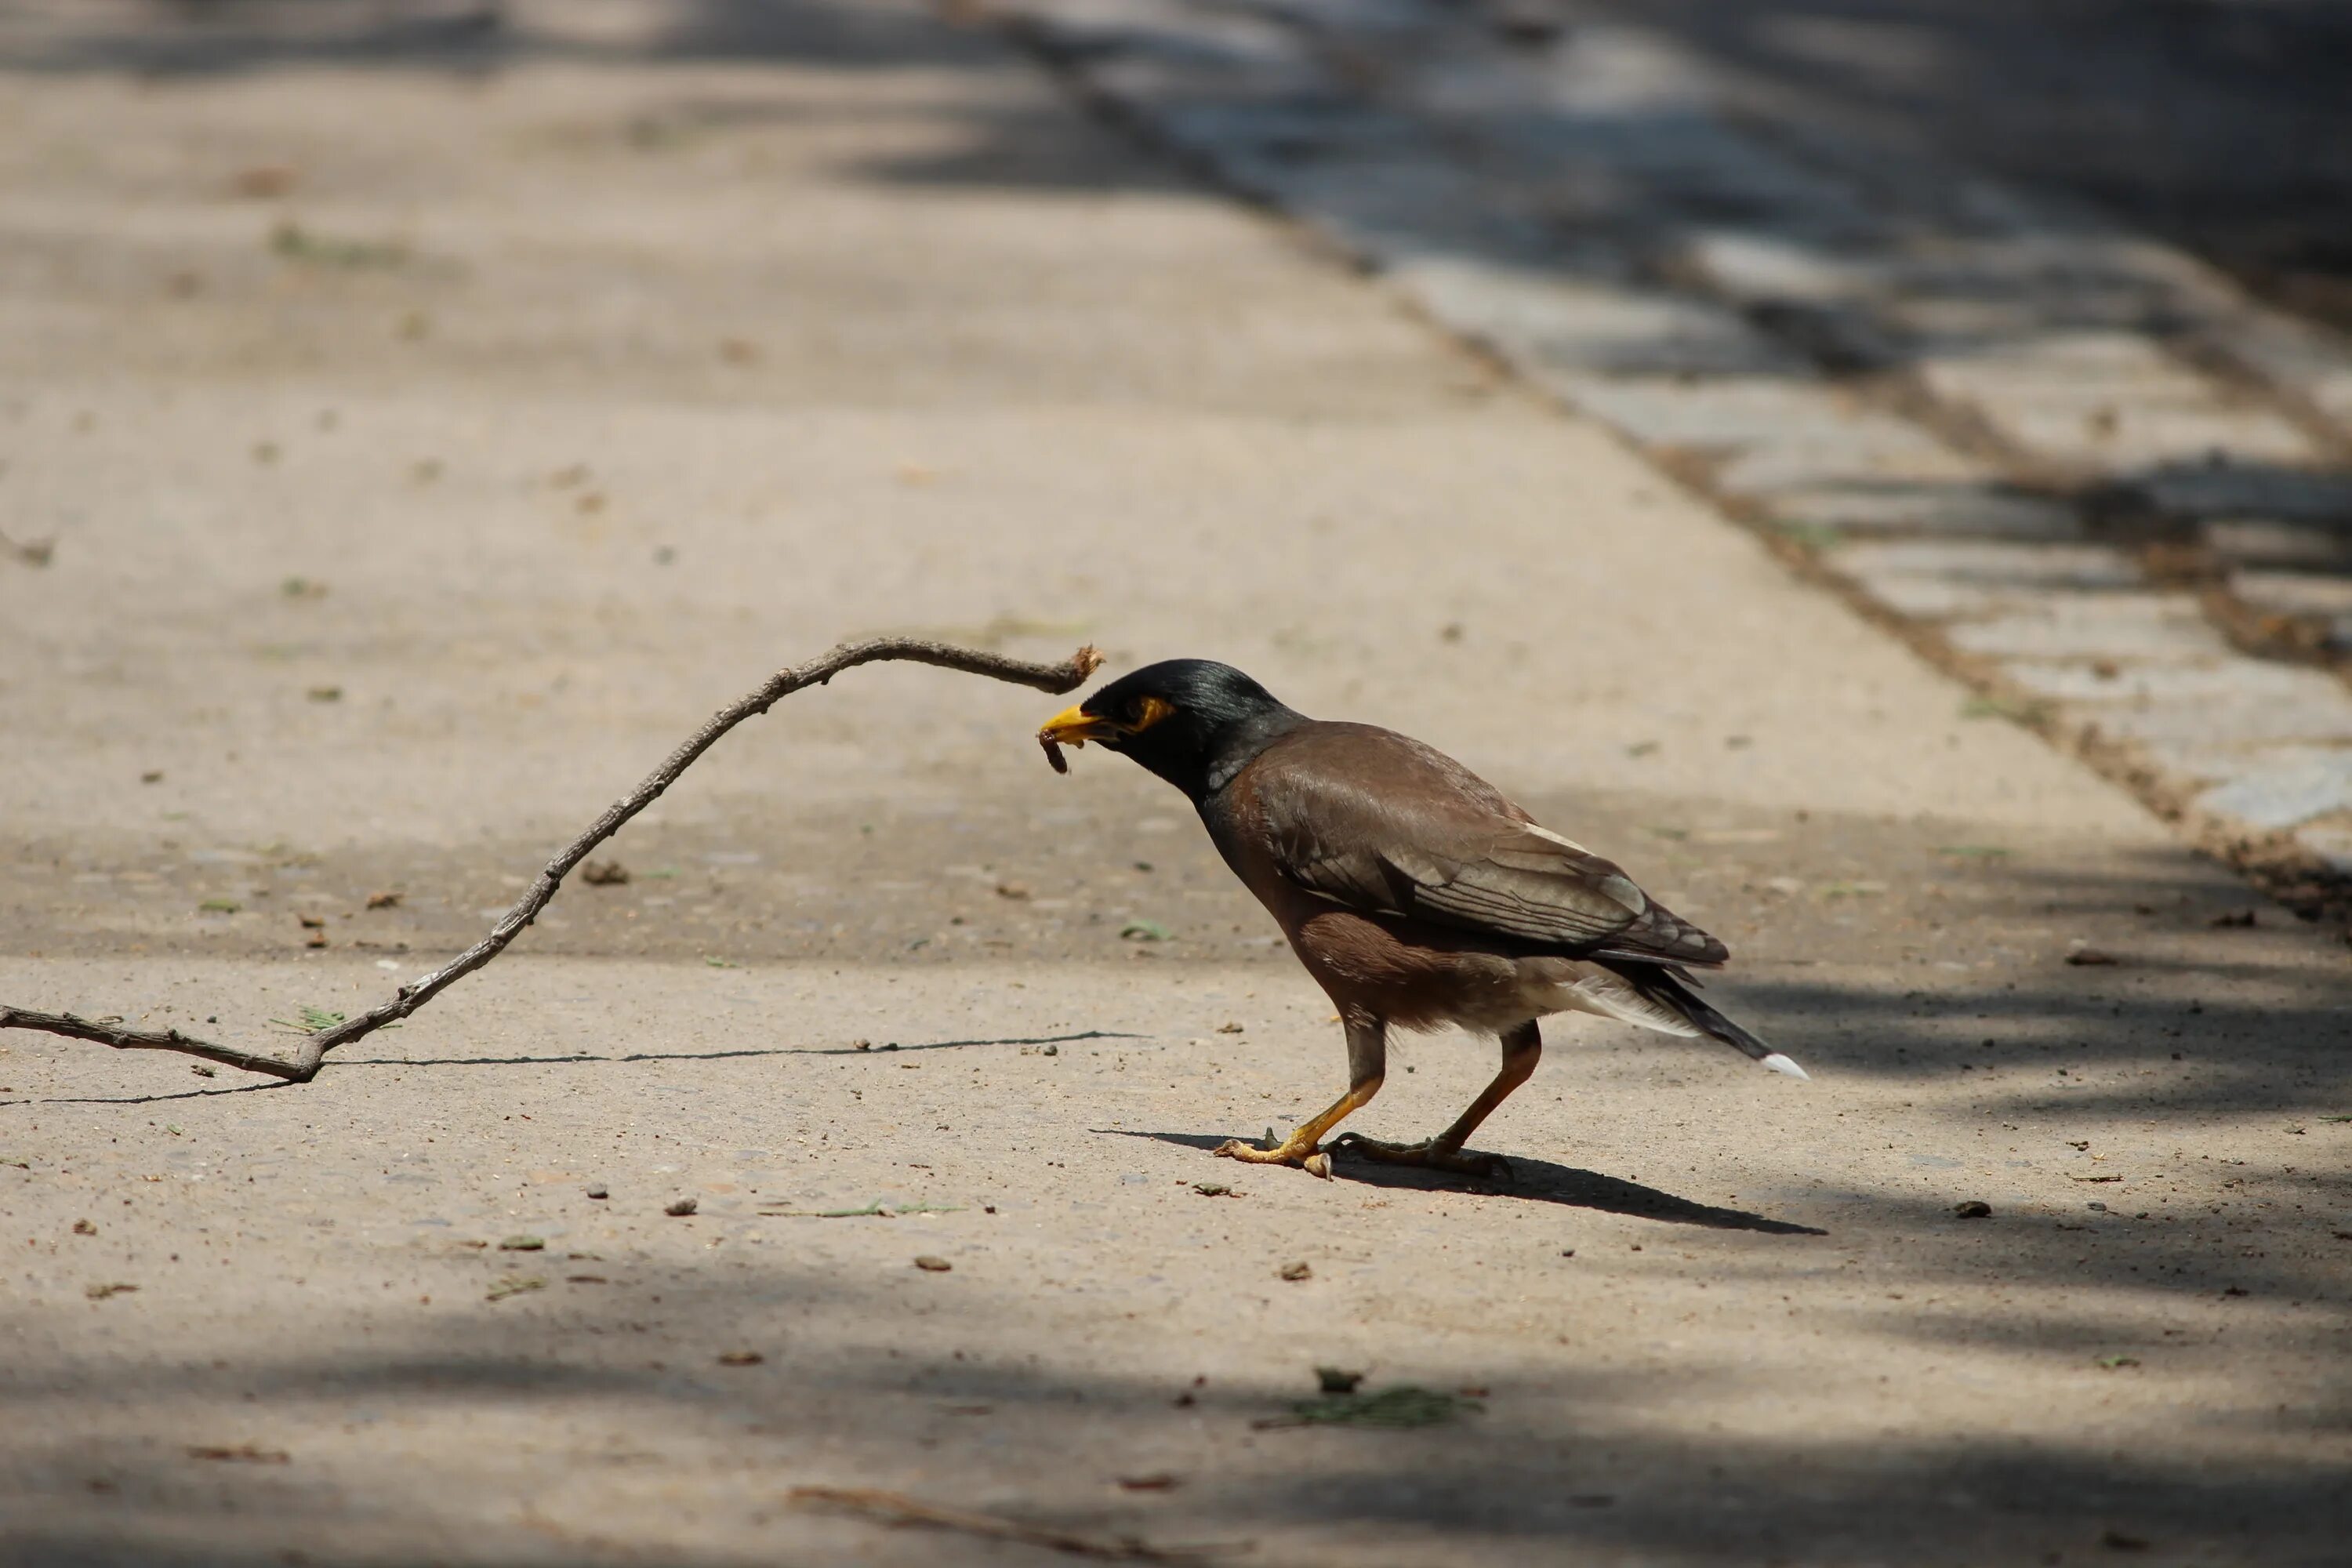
(1605,993)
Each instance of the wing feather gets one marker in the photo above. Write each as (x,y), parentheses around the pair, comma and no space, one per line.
(1379,823)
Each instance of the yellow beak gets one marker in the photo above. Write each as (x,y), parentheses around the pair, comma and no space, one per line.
(1075,727)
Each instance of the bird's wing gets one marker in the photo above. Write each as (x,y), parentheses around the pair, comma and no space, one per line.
(1377,822)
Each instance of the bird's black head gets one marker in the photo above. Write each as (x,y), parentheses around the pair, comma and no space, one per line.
(1193,722)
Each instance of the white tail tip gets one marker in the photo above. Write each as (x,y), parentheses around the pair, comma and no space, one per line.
(1781,1064)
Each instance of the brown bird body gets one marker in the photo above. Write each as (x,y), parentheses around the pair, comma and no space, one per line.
(1414,892)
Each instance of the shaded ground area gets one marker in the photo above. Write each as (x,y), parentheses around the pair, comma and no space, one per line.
(599,380)
(2222,127)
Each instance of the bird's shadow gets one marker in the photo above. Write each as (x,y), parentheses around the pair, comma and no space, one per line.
(1532,1181)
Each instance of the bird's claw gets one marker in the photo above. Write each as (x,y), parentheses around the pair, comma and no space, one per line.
(1309,1158)
(1428,1153)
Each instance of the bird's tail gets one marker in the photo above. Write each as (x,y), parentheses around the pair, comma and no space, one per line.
(1673,989)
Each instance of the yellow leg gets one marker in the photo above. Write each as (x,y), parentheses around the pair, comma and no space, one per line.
(1367,1065)
(1522,1049)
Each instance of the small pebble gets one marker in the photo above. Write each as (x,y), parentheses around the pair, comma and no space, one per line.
(1974,1209)
(1296,1271)
(681,1208)
(599,1190)
(930,1265)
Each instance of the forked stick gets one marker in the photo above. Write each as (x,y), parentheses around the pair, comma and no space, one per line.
(1066,676)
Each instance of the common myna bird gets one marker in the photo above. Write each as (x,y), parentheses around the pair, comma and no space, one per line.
(1414,893)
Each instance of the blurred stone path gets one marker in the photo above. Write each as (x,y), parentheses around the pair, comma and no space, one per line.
(2084,469)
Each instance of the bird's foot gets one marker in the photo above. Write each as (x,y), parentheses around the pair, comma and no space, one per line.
(1429,1153)
(1292,1150)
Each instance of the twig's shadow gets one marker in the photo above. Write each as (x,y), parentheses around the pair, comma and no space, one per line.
(262,1088)
(578,1058)
(571,1059)
(1536,1181)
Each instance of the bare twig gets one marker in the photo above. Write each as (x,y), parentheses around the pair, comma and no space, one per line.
(1066,676)
(897,1507)
(107,1033)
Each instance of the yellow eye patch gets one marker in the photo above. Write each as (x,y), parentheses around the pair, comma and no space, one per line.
(1151,710)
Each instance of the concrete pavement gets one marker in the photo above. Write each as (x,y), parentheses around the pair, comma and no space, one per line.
(434,425)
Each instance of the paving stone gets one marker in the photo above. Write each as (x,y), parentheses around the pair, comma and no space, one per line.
(2287,787)
(2237,680)
(1938,578)
(2287,704)
(2323,599)
(2253,542)
(1864,507)
(1863,451)
(2043,277)
(1557,330)
(2293,592)
(2309,361)
(2331,846)
(1753,266)
(2109,403)
(2277,494)
(2125,625)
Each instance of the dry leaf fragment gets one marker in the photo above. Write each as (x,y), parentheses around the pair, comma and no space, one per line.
(262,182)
(897,1508)
(385,900)
(243,1454)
